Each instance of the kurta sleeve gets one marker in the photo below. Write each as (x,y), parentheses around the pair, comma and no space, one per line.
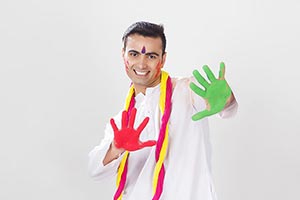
(96,168)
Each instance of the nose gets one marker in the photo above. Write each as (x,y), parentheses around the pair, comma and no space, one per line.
(142,63)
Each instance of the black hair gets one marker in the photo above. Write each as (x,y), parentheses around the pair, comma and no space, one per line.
(146,29)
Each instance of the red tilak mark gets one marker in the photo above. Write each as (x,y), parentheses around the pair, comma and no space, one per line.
(143,50)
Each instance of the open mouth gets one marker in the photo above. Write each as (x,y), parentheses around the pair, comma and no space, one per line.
(141,73)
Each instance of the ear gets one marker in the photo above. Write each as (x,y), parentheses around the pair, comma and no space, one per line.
(163,59)
(123,53)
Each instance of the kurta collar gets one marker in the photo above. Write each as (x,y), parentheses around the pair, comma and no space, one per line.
(149,92)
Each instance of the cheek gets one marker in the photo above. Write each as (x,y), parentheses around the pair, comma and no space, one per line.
(126,63)
(158,67)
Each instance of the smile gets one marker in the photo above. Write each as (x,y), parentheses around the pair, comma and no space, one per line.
(140,73)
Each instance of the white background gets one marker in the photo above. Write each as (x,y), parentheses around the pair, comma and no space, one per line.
(62,78)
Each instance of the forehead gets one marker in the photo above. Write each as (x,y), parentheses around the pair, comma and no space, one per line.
(137,42)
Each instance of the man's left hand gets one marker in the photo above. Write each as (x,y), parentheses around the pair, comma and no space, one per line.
(217,93)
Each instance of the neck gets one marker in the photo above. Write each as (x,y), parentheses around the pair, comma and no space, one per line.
(142,89)
(138,90)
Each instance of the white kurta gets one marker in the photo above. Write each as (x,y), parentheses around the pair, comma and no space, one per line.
(188,160)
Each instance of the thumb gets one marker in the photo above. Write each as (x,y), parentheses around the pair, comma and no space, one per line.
(148,143)
(201,115)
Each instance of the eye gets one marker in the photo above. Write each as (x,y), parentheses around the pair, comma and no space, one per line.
(152,57)
(133,54)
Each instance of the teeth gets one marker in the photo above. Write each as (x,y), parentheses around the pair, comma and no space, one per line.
(140,73)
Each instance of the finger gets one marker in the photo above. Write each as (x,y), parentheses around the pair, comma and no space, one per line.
(113,125)
(124,119)
(197,90)
(148,143)
(209,73)
(142,125)
(200,79)
(201,115)
(132,118)
(222,71)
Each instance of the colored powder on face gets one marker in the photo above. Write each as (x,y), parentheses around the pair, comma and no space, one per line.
(157,68)
(143,50)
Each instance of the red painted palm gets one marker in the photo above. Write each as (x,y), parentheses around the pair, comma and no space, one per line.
(127,137)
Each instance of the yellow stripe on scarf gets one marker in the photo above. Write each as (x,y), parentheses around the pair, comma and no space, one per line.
(163,152)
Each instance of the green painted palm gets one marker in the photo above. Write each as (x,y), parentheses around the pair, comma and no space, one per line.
(216,93)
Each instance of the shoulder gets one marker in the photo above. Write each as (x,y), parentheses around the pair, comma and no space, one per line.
(181,81)
(181,86)
(183,93)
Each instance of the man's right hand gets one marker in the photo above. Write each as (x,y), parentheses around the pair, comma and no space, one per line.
(127,137)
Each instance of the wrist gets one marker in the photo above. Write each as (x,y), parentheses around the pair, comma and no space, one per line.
(113,153)
(230,100)
(115,150)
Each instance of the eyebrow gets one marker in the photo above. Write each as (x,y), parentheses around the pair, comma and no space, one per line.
(152,53)
(133,51)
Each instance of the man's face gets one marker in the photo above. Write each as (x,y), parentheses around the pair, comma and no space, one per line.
(143,61)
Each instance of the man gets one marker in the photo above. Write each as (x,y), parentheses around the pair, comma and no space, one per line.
(159,146)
